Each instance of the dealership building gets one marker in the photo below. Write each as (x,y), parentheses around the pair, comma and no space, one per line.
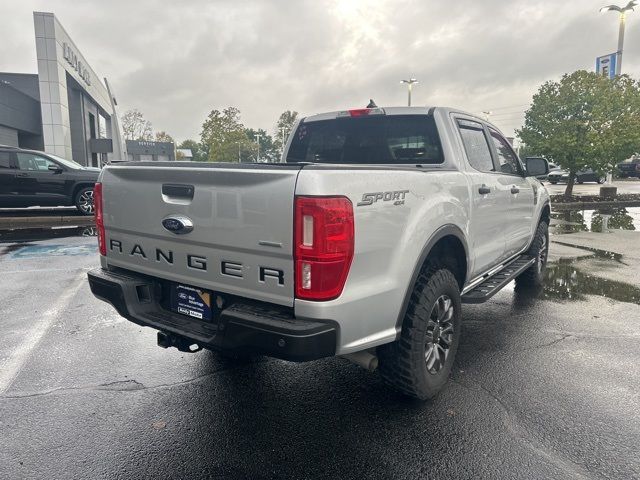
(65,109)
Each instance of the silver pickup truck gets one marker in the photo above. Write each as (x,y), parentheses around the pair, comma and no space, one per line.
(363,242)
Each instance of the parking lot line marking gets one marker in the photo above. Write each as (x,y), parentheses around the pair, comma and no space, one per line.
(12,366)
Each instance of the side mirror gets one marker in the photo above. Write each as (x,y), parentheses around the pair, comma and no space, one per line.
(55,168)
(537,167)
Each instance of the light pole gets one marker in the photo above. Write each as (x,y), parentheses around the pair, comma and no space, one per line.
(258,142)
(623,12)
(282,130)
(487,114)
(409,83)
(239,157)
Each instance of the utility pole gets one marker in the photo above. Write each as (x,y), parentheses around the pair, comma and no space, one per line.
(486,115)
(258,142)
(239,157)
(409,83)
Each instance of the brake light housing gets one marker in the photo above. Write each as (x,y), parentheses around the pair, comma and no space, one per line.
(99,217)
(323,246)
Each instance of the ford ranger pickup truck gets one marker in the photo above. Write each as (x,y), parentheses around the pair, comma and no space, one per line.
(362,242)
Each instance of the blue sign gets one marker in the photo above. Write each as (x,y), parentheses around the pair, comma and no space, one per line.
(606,65)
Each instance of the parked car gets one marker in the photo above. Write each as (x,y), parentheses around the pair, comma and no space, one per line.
(362,243)
(582,176)
(630,167)
(31,178)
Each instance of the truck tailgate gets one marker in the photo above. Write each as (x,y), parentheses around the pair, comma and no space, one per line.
(242,216)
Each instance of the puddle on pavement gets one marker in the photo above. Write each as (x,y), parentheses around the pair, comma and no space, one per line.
(563,281)
(619,218)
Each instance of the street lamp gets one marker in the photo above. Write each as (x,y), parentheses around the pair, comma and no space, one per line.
(409,83)
(622,11)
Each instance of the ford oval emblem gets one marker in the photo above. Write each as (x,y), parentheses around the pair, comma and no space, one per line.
(178,224)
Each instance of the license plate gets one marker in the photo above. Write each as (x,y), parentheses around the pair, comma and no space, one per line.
(191,301)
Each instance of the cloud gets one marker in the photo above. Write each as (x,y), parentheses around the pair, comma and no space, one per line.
(175,61)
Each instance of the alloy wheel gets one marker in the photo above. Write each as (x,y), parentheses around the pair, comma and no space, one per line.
(85,201)
(439,335)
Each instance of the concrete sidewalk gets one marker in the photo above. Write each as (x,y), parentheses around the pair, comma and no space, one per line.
(613,256)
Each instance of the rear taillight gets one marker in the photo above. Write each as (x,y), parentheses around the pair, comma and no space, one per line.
(97,206)
(323,242)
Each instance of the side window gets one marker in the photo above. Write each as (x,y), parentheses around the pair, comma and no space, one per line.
(34,163)
(476,146)
(5,160)
(507,159)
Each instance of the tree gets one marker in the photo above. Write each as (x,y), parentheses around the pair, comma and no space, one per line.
(135,127)
(223,135)
(268,150)
(584,121)
(284,125)
(199,153)
(164,137)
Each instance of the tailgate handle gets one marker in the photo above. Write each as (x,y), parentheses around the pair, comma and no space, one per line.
(177,190)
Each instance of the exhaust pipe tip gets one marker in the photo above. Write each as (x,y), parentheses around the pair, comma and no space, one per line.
(364,359)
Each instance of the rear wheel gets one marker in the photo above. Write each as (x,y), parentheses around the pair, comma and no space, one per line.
(539,249)
(601,180)
(419,362)
(553,182)
(84,201)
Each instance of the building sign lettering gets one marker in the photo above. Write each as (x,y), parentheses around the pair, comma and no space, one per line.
(71,57)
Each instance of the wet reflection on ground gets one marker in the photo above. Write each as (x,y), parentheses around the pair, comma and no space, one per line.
(571,221)
(32,234)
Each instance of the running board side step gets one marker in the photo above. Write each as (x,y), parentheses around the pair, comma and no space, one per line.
(493,284)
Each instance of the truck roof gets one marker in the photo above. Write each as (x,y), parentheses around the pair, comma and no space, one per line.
(418,110)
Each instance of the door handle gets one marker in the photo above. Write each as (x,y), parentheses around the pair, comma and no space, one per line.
(514,190)
(22,174)
(483,190)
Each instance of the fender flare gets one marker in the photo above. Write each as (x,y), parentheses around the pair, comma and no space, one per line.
(440,233)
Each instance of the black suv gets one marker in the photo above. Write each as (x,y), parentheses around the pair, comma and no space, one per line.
(30,178)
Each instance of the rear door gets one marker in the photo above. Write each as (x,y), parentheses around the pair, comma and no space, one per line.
(242,217)
(8,191)
(487,218)
(515,192)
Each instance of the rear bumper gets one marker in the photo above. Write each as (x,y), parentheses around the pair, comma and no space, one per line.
(242,326)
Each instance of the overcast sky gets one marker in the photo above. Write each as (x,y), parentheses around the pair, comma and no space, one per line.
(175,61)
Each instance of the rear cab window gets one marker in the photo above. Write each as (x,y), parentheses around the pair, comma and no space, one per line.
(374,139)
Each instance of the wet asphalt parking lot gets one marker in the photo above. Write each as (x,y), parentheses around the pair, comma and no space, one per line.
(544,387)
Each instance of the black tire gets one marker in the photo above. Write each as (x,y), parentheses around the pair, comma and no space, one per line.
(553,182)
(601,180)
(403,364)
(84,201)
(533,277)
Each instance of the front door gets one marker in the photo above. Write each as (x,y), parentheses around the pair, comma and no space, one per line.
(516,192)
(38,184)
